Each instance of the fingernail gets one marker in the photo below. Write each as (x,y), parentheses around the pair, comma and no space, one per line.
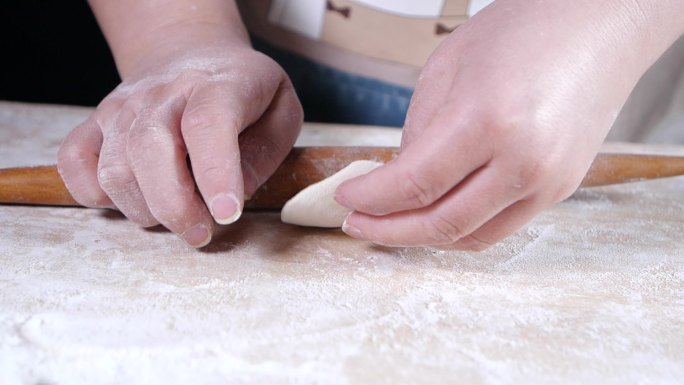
(343,201)
(197,236)
(225,208)
(351,230)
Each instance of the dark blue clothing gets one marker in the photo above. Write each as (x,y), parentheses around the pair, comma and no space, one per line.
(334,96)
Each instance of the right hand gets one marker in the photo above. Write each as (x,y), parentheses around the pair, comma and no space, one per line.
(231,110)
(509,112)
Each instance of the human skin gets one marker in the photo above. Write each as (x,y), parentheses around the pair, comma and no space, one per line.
(506,118)
(191,86)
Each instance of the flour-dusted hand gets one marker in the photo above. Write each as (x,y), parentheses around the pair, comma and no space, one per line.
(507,116)
(197,94)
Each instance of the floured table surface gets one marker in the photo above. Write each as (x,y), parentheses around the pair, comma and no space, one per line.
(592,291)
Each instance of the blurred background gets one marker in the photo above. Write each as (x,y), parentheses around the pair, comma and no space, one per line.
(53,52)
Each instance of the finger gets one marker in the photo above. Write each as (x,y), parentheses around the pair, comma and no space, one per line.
(77,164)
(213,119)
(265,144)
(115,175)
(157,157)
(210,127)
(500,227)
(423,172)
(478,199)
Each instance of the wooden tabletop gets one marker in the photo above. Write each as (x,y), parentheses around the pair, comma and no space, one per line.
(592,291)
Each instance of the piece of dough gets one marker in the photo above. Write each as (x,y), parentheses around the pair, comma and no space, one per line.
(316,206)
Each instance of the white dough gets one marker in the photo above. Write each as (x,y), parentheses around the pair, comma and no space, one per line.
(316,206)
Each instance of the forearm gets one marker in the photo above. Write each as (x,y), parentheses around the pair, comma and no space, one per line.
(143,31)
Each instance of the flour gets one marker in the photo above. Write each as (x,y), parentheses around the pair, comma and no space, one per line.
(591,291)
(326,308)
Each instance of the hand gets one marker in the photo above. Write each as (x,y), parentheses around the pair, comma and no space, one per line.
(506,118)
(231,110)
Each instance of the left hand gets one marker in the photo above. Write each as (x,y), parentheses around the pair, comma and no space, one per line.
(507,116)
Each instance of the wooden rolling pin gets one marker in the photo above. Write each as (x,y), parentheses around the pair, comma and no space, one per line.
(308,165)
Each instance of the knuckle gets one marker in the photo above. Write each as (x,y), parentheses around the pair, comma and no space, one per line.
(566,188)
(535,171)
(189,77)
(293,118)
(175,214)
(151,145)
(212,171)
(82,188)
(74,164)
(114,177)
(419,191)
(531,173)
(501,117)
(574,180)
(468,243)
(295,111)
(144,134)
(295,106)
(70,155)
(166,215)
(471,243)
(142,218)
(141,131)
(206,117)
(262,149)
(76,148)
(152,208)
(442,230)
(547,175)
(110,105)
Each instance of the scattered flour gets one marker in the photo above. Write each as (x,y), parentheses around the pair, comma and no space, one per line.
(592,291)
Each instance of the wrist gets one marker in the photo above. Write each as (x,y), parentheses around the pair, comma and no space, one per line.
(142,33)
(172,42)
